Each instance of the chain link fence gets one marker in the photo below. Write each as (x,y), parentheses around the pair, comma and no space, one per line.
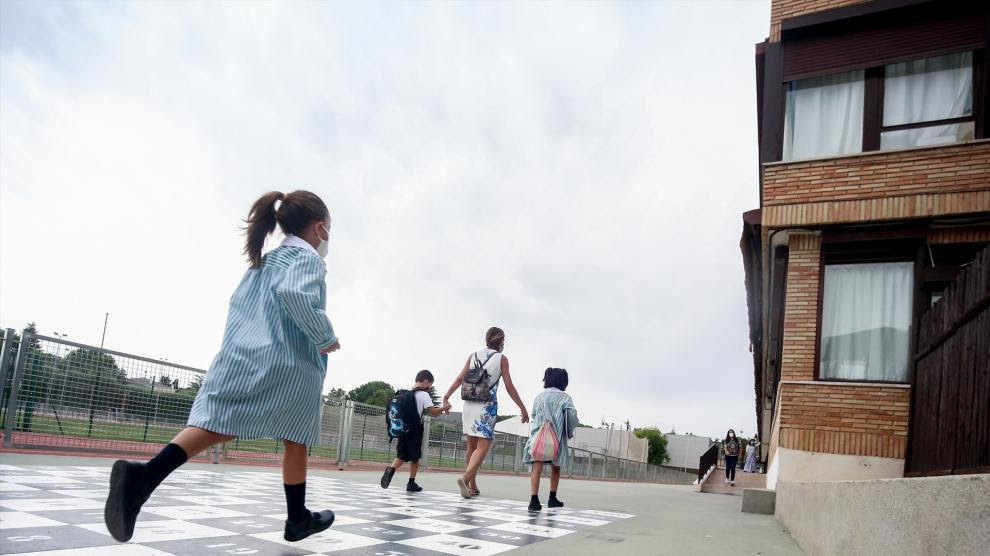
(63,395)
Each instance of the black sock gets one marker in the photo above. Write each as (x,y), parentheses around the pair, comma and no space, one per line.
(295,502)
(553,495)
(535,498)
(412,480)
(167,461)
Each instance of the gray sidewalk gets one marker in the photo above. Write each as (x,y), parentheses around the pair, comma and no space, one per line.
(668,519)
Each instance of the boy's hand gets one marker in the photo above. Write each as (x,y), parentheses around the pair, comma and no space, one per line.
(333,347)
(445,408)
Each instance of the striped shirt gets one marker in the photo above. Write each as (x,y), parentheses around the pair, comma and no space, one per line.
(267,379)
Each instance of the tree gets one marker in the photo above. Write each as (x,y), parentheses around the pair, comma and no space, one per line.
(337,394)
(376,392)
(434,396)
(658,444)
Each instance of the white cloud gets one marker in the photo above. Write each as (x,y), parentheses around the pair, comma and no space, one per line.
(572,173)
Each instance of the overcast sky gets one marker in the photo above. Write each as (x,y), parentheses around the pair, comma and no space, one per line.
(572,173)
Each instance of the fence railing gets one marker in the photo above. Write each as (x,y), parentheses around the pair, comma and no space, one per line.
(64,395)
(950,424)
(708,460)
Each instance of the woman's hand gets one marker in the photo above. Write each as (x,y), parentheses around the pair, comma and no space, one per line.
(332,348)
(525,415)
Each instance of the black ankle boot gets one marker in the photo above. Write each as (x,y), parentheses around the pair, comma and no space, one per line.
(315,523)
(534,504)
(129,490)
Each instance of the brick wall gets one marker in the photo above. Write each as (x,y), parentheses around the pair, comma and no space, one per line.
(963,167)
(845,419)
(872,210)
(783,9)
(878,186)
(801,308)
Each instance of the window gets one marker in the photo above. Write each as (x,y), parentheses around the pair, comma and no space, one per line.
(909,104)
(928,102)
(824,116)
(866,321)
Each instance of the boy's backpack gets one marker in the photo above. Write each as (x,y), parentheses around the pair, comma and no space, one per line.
(400,413)
(476,386)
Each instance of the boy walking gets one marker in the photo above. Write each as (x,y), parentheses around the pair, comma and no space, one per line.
(409,406)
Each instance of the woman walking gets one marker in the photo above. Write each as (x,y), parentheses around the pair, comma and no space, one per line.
(752,450)
(267,379)
(554,421)
(479,380)
(731,447)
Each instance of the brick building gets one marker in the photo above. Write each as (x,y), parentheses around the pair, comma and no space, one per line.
(874,145)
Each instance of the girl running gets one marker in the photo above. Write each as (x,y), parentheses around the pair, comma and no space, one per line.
(266,382)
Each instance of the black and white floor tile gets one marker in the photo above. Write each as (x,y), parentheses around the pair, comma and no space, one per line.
(58,511)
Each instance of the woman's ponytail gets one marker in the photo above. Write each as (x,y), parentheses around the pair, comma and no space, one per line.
(261,222)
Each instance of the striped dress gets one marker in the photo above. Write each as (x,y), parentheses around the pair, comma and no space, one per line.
(556,407)
(267,380)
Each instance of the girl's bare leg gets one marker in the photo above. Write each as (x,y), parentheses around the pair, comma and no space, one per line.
(554,477)
(534,478)
(294,463)
(194,440)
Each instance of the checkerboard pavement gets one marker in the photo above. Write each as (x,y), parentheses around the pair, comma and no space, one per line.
(58,511)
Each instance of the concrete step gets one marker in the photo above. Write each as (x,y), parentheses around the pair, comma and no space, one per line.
(716,482)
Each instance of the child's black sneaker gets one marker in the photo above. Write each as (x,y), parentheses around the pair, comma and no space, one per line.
(555,503)
(413,487)
(128,492)
(535,506)
(387,476)
(316,522)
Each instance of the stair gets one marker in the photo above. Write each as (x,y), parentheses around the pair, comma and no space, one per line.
(716,482)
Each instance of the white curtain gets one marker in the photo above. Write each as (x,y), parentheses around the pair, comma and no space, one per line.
(866,321)
(926,90)
(931,89)
(824,116)
(926,136)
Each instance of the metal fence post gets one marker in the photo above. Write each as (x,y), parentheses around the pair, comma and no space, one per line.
(425,460)
(344,442)
(8,344)
(15,386)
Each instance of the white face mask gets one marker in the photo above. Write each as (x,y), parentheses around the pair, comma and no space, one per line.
(324,247)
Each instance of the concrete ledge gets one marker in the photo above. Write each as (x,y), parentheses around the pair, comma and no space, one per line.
(759,501)
(927,515)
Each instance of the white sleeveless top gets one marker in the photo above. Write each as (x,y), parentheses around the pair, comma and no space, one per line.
(493,366)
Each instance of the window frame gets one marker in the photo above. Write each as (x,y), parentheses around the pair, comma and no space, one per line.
(874,97)
(866,252)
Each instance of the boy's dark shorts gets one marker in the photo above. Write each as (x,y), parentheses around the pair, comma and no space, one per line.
(410,446)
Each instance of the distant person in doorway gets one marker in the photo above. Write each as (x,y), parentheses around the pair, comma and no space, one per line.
(408,407)
(478,381)
(553,422)
(267,379)
(752,451)
(731,448)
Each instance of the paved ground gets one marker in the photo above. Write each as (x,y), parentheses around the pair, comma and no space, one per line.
(667,519)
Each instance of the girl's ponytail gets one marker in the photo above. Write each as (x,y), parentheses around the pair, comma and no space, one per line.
(261,222)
